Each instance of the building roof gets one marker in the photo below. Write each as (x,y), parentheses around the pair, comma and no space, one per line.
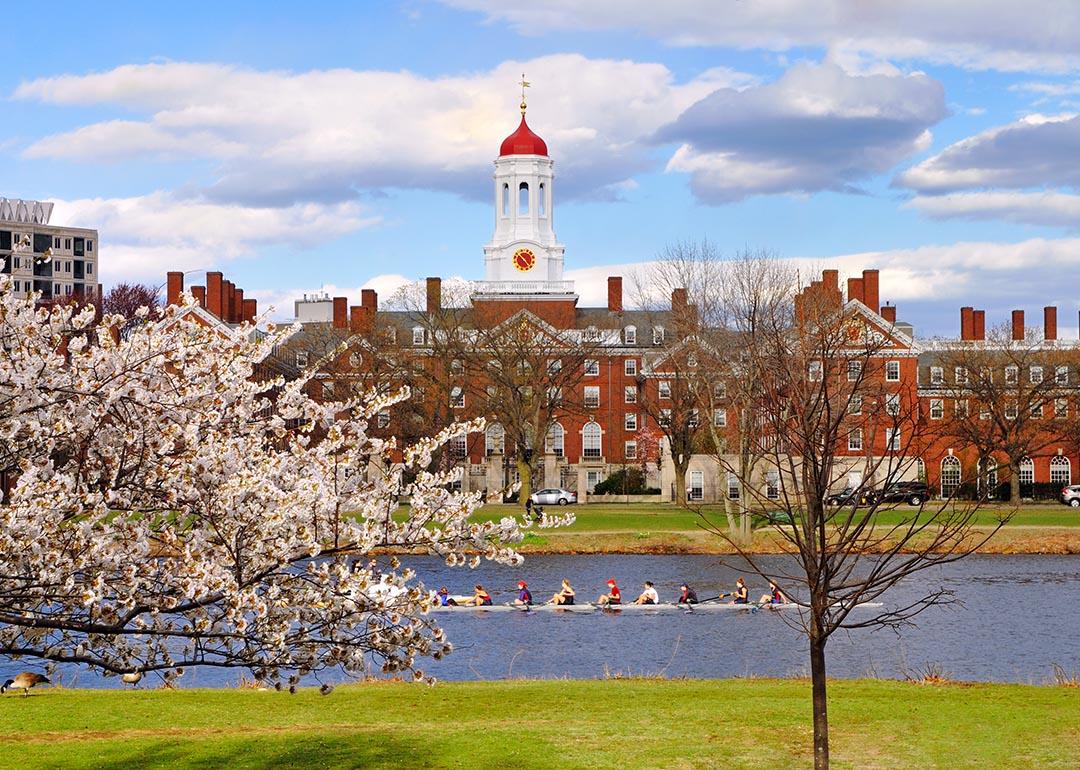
(523,142)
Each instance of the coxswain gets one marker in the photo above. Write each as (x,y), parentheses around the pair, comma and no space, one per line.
(524,597)
(775,596)
(649,595)
(613,595)
(688,595)
(565,594)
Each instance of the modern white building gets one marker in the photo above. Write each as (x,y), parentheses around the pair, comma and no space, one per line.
(59,262)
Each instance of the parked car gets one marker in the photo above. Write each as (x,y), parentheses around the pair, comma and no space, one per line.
(910,492)
(553,496)
(846,496)
(1071,495)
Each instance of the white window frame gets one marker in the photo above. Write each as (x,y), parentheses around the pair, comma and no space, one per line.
(892,404)
(663,388)
(1061,375)
(1061,408)
(592,440)
(630,335)
(892,439)
(630,450)
(630,421)
(658,335)
(1057,464)
(592,367)
(855,404)
(629,394)
(1012,374)
(854,371)
(937,375)
(591,397)
(418,335)
(854,440)
(383,419)
(1035,374)
(892,371)
(457,397)
(1011,410)
(719,418)
(555,441)
(937,408)
(301,358)
(734,488)
(772,485)
(630,367)
(960,375)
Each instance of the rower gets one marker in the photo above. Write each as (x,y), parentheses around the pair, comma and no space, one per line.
(443,597)
(688,595)
(775,596)
(613,596)
(741,595)
(649,595)
(480,597)
(565,594)
(524,597)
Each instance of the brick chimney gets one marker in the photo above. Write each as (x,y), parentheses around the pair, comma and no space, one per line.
(175,287)
(978,322)
(1050,323)
(870,289)
(226,301)
(434,295)
(199,293)
(1018,324)
(238,305)
(369,299)
(888,312)
(341,312)
(855,289)
(356,318)
(678,300)
(967,325)
(614,293)
(213,293)
(251,309)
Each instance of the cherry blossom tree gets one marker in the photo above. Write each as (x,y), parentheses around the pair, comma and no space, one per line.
(166,509)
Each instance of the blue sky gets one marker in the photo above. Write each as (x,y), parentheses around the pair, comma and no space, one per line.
(342,145)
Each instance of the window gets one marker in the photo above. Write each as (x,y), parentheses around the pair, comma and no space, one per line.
(301,358)
(630,421)
(950,475)
(665,389)
(554,366)
(541,204)
(592,396)
(892,404)
(89,245)
(89,268)
(457,397)
(813,371)
(665,418)
(854,405)
(1035,374)
(555,442)
(506,200)
(1060,470)
(1027,473)
(1037,410)
(630,450)
(494,439)
(418,335)
(1061,375)
(987,479)
(592,367)
(630,367)
(691,361)
(697,486)
(772,485)
(719,390)
(937,408)
(658,335)
(719,418)
(523,198)
(892,371)
(56,243)
(892,439)
(960,408)
(457,365)
(383,419)
(630,335)
(1061,408)
(328,389)
(458,447)
(693,420)
(554,395)
(854,371)
(590,440)
(734,491)
(591,334)
(67,243)
(960,375)
(1012,375)
(1011,410)
(56,265)
(854,440)
(630,394)
(937,375)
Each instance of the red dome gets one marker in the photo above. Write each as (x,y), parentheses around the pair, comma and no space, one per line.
(523,142)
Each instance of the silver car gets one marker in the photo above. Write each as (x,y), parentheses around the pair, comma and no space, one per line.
(553,496)
(1071,495)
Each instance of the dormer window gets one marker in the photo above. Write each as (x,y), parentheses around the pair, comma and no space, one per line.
(630,335)
(418,335)
(658,335)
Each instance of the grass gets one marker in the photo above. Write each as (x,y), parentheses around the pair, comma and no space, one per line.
(552,724)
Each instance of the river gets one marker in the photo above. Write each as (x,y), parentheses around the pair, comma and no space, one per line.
(1018,618)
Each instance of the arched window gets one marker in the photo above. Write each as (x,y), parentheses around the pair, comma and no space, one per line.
(590,440)
(541,201)
(1060,470)
(494,439)
(555,443)
(950,475)
(988,478)
(506,199)
(523,198)
(1027,477)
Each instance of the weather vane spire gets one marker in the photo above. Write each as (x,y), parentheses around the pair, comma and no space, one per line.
(524,84)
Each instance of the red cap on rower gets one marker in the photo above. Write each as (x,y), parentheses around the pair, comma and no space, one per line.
(611,582)
(522,584)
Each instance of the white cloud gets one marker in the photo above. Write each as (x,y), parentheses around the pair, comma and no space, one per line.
(1040,35)
(1051,209)
(282,137)
(145,236)
(816,128)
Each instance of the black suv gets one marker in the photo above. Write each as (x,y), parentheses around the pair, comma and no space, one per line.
(846,496)
(910,492)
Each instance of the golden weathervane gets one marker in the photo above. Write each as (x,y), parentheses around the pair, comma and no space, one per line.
(524,84)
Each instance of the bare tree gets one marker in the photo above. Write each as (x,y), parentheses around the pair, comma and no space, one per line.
(835,402)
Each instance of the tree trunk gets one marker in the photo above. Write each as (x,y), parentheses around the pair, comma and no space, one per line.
(821,712)
(680,486)
(525,477)
(744,521)
(1014,483)
(732,521)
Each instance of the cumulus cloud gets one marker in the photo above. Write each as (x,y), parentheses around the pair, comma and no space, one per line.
(1051,209)
(816,128)
(145,236)
(978,34)
(283,137)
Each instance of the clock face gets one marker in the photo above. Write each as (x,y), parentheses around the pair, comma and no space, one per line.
(524,260)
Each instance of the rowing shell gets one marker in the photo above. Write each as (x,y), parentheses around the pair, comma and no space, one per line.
(620,608)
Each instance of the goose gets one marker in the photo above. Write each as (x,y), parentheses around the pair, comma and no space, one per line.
(132,677)
(24,682)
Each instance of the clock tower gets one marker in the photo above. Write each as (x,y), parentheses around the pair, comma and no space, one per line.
(524,259)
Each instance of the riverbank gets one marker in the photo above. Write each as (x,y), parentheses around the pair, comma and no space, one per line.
(666,529)
(739,723)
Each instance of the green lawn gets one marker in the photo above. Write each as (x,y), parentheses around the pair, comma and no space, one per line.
(556,724)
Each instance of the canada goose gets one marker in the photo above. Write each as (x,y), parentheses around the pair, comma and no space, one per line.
(24,682)
(132,677)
